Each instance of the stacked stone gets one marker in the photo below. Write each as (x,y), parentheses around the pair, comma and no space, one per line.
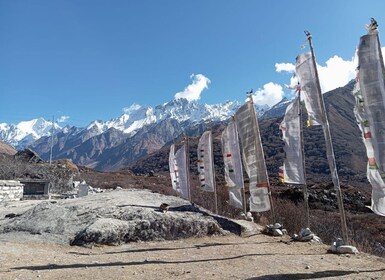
(275,230)
(339,247)
(306,235)
(97,190)
(248,216)
(11,190)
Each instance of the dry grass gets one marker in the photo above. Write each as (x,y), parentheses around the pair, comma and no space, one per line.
(365,231)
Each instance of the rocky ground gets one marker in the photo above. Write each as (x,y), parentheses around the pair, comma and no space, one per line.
(186,242)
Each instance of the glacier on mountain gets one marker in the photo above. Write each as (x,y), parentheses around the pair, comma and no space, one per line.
(26,132)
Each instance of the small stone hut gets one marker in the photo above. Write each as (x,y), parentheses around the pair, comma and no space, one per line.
(35,189)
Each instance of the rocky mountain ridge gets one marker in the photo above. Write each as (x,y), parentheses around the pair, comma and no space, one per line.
(111,145)
(134,118)
(116,144)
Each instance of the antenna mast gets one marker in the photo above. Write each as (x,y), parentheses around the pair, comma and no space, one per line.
(52,130)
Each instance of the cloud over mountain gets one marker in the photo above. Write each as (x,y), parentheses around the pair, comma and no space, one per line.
(336,72)
(270,94)
(193,91)
(63,119)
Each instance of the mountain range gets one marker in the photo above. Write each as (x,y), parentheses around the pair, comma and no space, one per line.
(135,138)
(24,133)
(111,145)
(348,145)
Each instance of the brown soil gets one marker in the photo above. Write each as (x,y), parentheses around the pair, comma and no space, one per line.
(226,257)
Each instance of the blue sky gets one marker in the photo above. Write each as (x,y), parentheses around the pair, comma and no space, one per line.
(90,59)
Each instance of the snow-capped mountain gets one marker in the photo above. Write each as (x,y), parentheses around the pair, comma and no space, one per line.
(277,110)
(25,133)
(109,145)
(136,116)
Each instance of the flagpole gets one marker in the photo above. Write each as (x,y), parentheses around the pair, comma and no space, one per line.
(249,95)
(305,193)
(329,147)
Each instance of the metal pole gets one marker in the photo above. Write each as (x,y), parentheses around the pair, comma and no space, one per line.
(52,129)
(329,148)
(304,187)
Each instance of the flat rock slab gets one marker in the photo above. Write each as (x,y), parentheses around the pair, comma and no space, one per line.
(249,228)
(114,217)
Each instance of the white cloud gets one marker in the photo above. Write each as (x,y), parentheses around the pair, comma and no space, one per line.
(132,108)
(193,91)
(271,94)
(336,73)
(285,67)
(63,119)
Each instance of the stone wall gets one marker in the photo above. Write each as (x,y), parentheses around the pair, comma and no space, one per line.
(10,190)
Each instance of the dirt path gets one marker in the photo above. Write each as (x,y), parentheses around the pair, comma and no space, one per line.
(226,257)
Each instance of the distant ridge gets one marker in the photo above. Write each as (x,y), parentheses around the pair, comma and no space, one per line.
(111,145)
(24,133)
(7,149)
(278,110)
(143,131)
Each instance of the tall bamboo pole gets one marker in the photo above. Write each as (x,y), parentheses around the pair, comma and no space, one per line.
(329,147)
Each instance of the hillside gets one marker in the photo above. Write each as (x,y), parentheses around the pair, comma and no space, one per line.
(348,145)
(6,149)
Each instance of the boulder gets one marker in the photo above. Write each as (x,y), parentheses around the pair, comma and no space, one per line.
(277,232)
(277,226)
(347,249)
(305,232)
(306,235)
(339,247)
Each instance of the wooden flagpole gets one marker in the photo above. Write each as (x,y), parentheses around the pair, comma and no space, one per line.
(329,147)
(304,187)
